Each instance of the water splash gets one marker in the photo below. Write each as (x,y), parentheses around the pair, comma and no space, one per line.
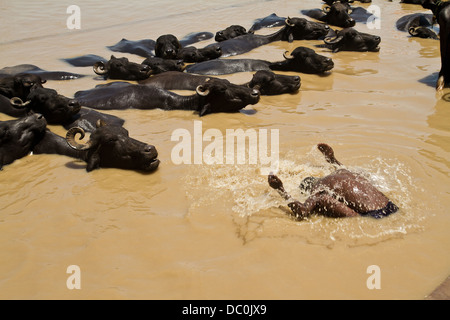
(259,212)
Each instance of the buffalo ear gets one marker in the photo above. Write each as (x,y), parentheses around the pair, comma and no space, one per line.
(100,123)
(205,110)
(290,38)
(93,161)
(352,34)
(4,134)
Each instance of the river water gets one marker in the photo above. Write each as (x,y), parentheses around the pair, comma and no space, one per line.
(217,231)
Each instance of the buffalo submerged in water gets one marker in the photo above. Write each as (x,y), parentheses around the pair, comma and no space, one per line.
(293,29)
(267,82)
(213,96)
(109,146)
(112,147)
(301,59)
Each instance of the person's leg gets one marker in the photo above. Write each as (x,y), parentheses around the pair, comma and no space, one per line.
(277,184)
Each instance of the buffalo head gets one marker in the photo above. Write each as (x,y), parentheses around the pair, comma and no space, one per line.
(269,83)
(423,32)
(111,147)
(192,54)
(304,60)
(220,95)
(302,29)
(338,14)
(351,40)
(330,2)
(230,33)
(56,108)
(122,68)
(20,85)
(160,65)
(18,137)
(167,46)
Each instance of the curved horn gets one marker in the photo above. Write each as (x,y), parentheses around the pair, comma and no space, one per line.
(100,68)
(289,23)
(326,8)
(182,64)
(201,91)
(413,31)
(100,123)
(290,57)
(18,103)
(328,40)
(70,138)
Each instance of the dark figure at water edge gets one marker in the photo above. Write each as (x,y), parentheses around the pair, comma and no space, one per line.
(340,194)
(441,11)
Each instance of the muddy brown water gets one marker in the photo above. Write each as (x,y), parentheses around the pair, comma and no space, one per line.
(199,231)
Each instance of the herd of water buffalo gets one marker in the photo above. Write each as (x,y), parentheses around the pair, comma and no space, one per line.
(172,64)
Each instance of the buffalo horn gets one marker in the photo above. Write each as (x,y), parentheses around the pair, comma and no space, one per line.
(413,31)
(326,8)
(201,91)
(329,40)
(100,68)
(289,57)
(70,138)
(289,23)
(18,103)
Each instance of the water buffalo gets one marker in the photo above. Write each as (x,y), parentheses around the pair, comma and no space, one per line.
(270,21)
(330,2)
(192,54)
(294,29)
(30,135)
(304,60)
(349,39)
(301,60)
(336,14)
(19,85)
(87,60)
(267,82)
(56,108)
(413,1)
(230,33)
(122,68)
(85,118)
(214,95)
(227,66)
(441,11)
(18,137)
(417,25)
(167,46)
(35,70)
(173,80)
(146,47)
(160,65)
(112,147)
(340,194)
